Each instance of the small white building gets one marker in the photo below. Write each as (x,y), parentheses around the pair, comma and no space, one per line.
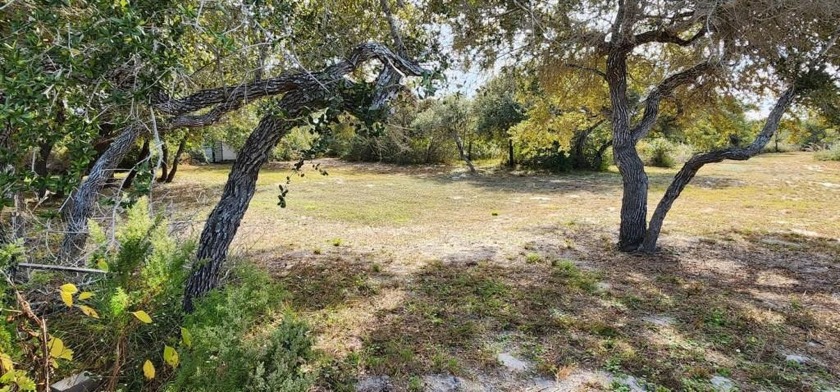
(219,152)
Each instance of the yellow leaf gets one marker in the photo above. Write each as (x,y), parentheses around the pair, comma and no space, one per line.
(85,295)
(186,337)
(58,350)
(170,356)
(149,369)
(88,311)
(67,298)
(102,264)
(66,354)
(69,288)
(142,316)
(56,347)
(6,362)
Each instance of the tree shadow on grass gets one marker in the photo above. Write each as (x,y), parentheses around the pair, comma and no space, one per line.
(578,181)
(665,319)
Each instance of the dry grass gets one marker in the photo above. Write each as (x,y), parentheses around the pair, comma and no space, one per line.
(408,271)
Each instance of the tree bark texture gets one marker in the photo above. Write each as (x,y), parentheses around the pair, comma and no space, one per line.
(78,208)
(690,168)
(164,162)
(634,179)
(145,153)
(511,162)
(223,222)
(44,151)
(176,159)
(312,92)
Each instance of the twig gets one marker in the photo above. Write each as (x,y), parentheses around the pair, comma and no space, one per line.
(62,268)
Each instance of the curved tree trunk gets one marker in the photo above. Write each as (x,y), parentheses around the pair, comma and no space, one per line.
(690,168)
(313,92)
(164,162)
(634,179)
(176,159)
(77,209)
(144,155)
(224,221)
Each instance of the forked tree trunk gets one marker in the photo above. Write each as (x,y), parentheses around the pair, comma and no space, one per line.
(578,153)
(690,168)
(461,153)
(78,207)
(598,161)
(176,159)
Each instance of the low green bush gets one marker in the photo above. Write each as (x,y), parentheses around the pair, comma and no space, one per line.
(240,342)
(128,325)
(830,154)
(661,152)
(553,159)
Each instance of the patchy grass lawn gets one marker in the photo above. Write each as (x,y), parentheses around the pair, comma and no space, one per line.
(509,281)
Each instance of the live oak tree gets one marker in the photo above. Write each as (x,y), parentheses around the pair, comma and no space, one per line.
(194,64)
(730,46)
(497,110)
(449,116)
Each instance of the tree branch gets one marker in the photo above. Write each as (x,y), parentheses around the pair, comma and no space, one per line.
(232,97)
(667,37)
(666,87)
(584,68)
(690,168)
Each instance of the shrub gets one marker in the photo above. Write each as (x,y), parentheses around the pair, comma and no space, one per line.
(137,307)
(661,152)
(552,159)
(229,352)
(830,154)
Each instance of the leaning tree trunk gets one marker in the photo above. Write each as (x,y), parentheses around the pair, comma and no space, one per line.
(313,91)
(690,168)
(598,160)
(164,162)
(78,207)
(224,221)
(176,159)
(461,153)
(145,153)
(44,151)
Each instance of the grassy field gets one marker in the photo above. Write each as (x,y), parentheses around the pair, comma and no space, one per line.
(508,281)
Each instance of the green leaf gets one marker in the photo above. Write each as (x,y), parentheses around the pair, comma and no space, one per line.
(186,337)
